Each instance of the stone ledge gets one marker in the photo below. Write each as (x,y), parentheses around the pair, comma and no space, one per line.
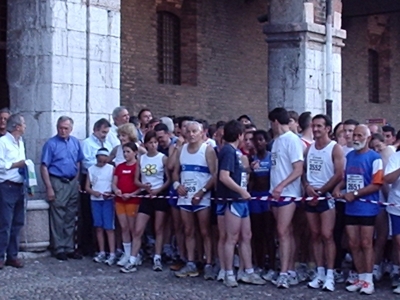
(272,29)
(33,255)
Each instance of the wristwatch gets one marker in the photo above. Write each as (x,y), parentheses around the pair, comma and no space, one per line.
(355,193)
(204,190)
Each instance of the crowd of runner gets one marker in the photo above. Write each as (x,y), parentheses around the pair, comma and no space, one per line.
(302,201)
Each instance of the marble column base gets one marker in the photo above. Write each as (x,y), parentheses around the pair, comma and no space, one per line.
(35,235)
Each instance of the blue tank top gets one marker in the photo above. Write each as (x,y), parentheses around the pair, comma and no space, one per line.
(265,166)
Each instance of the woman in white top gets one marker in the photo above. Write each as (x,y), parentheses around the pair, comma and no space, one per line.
(153,177)
(126,133)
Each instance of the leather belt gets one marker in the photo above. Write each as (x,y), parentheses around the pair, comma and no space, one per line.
(19,184)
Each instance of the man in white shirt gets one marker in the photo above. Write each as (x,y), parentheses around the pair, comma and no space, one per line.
(120,116)
(12,194)
(286,170)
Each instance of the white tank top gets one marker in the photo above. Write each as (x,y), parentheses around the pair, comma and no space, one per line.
(194,174)
(152,170)
(320,167)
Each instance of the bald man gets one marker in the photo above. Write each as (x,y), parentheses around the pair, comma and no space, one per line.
(363,180)
(374,128)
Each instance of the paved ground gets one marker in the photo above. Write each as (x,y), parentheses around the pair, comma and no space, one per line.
(47,278)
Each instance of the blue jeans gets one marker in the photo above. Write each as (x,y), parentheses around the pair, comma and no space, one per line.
(12,216)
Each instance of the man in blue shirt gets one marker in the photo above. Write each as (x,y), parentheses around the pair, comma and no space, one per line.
(60,164)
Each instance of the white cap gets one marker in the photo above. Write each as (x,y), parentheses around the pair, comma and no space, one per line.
(170,124)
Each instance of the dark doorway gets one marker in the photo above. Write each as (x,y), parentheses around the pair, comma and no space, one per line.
(4,92)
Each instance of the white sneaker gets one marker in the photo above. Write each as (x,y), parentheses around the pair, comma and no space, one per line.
(230,281)
(339,276)
(356,286)
(397,290)
(377,273)
(111,260)
(157,266)
(221,275)
(352,278)
(269,276)
(282,282)
(100,258)
(252,278)
(123,260)
(129,268)
(329,284)
(316,283)
(367,288)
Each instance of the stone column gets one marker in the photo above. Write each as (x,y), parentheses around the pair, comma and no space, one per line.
(63,59)
(296,45)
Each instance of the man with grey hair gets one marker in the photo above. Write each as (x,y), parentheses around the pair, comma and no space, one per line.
(363,179)
(60,165)
(4,115)
(120,116)
(12,194)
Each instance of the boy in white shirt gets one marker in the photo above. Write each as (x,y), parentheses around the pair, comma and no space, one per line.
(98,185)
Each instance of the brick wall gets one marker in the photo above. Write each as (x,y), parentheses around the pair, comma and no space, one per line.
(230,58)
(380,33)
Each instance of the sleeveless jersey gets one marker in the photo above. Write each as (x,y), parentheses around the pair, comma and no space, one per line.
(265,166)
(320,168)
(152,170)
(194,174)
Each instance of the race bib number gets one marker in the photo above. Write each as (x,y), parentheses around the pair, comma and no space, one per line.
(274,157)
(315,165)
(190,186)
(354,182)
(243,181)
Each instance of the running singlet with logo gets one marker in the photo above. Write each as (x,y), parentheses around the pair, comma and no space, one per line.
(320,168)
(194,174)
(286,150)
(394,192)
(362,170)
(264,168)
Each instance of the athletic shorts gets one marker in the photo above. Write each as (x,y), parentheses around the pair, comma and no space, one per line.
(284,203)
(322,206)
(360,220)
(192,208)
(149,206)
(129,209)
(173,201)
(395,220)
(259,206)
(238,208)
(103,213)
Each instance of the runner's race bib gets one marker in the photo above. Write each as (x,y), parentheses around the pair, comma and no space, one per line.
(315,165)
(354,182)
(191,186)
(243,181)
